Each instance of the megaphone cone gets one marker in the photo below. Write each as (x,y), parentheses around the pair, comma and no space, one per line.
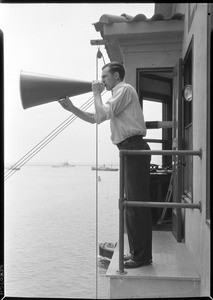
(37,89)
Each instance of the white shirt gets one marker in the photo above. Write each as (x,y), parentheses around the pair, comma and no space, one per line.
(125,113)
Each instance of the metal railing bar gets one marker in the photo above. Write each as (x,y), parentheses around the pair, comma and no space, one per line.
(160,141)
(161,152)
(162,204)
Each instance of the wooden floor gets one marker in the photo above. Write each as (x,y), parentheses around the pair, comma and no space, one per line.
(170,260)
(172,269)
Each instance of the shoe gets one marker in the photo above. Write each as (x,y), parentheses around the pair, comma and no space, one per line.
(127,257)
(130,264)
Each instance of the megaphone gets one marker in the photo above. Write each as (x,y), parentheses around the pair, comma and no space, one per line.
(38,89)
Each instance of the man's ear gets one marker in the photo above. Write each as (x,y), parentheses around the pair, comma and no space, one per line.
(116,75)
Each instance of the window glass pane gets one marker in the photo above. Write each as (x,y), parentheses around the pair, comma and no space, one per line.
(153,112)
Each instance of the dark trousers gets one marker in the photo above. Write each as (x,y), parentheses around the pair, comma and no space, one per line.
(137,188)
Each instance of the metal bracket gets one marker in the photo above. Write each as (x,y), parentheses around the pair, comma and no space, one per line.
(98,42)
(201,152)
(122,203)
(121,272)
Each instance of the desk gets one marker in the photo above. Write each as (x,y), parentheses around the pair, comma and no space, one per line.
(159,184)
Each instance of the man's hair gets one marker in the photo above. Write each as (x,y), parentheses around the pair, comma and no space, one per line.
(116,67)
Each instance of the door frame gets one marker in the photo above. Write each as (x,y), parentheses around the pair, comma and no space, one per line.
(177,161)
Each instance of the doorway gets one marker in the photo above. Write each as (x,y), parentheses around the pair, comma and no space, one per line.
(155,89)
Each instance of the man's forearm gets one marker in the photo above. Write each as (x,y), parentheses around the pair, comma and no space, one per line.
(86,116)
(99,108)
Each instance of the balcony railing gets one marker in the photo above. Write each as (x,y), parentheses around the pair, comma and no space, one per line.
(124,203)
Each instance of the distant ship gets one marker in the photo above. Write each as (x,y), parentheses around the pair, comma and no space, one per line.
(63,165)
(104,168)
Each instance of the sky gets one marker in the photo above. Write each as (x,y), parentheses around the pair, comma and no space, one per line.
(54,39)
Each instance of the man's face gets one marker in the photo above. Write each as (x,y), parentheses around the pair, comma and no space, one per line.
(108,79)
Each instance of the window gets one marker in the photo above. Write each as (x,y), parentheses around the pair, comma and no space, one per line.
(153,111)
(154,87)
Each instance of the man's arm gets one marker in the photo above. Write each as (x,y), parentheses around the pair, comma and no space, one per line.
(86,116)
(101,115)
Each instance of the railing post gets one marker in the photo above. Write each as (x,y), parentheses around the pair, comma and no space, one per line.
(121,216)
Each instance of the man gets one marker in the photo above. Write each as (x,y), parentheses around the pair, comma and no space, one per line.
(127,131)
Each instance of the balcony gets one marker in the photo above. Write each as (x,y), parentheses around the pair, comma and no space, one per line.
(172,273)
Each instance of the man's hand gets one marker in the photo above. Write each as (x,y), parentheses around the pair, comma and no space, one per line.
(97,87)
(84,115)
(66,103)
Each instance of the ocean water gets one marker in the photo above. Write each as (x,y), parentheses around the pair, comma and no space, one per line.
(54,221)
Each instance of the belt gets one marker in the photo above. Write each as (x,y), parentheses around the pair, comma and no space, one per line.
(129,139)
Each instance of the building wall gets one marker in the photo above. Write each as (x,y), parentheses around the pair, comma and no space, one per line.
(197,231)
(179,8)
(164,8)
(149,53)
(169,9)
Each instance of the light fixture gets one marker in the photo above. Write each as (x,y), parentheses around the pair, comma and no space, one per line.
(187,92)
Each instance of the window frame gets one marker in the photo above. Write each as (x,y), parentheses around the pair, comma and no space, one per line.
(188,123)
(166,101)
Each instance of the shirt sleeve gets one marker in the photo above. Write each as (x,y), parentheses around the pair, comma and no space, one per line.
(118,102)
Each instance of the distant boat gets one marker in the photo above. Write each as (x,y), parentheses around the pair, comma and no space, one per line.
(63,165)
(104,168)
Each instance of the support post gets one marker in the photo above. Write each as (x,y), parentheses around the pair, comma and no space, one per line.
(121,217)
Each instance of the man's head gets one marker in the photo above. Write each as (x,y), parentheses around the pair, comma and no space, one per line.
(112,74)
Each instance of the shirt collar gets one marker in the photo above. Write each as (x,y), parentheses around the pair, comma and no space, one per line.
(117,87)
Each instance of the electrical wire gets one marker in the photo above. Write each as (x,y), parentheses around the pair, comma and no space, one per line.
(54,132)
(45,141)
(15,165)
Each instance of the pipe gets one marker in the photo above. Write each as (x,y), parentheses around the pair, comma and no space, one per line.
(162,152)
(162,204)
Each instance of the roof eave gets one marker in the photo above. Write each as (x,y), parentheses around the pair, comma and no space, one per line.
(126,30)
(116,33)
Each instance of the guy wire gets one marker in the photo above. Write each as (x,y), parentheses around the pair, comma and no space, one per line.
(45,141)
(67,120)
